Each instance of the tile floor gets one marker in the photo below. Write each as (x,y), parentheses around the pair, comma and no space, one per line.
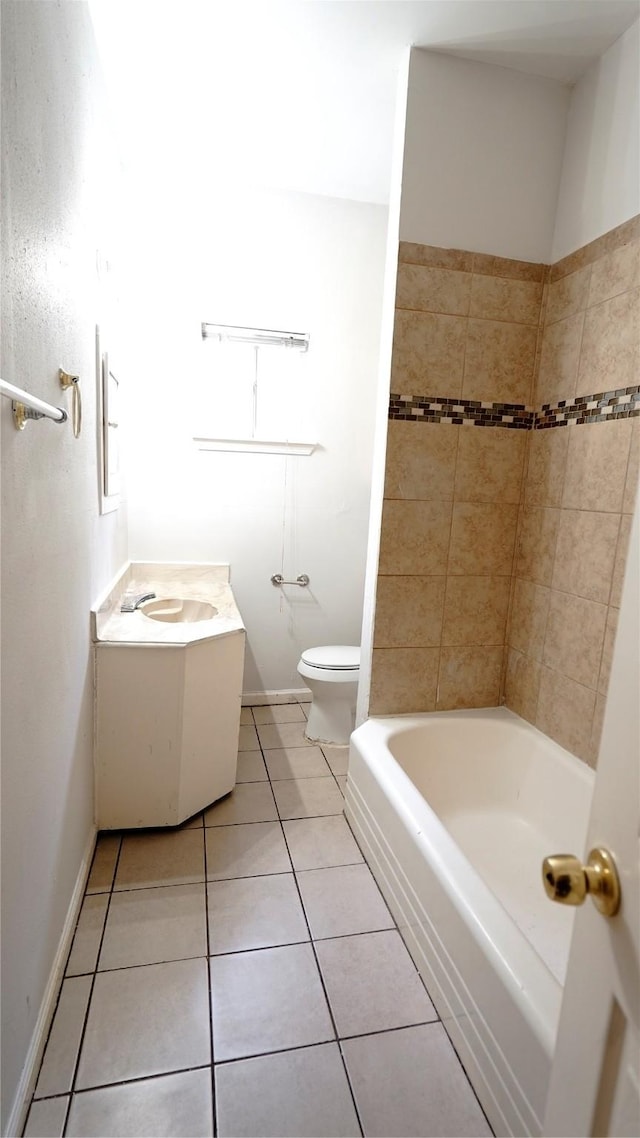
(242,975)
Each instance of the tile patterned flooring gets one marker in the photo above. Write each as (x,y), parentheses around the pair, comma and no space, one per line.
(242,975)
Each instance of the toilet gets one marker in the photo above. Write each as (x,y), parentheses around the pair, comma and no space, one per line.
(331,673)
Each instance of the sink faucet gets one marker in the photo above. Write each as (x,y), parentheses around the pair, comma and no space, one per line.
(132,601)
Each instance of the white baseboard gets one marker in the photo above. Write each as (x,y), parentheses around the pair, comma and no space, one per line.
(288,695)
(31,1068)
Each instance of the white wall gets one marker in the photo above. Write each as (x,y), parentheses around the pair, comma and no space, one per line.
(57,553)
(483,152)
(273,260)
(600,185)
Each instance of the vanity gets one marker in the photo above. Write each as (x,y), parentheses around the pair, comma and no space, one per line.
(168,688)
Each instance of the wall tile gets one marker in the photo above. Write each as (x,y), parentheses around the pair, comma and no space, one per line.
(409,612)
(596,465)
(633,469)
(522,684)
(482,539)
(469,677)
(411,253)
(574,637)
(475,610)
(499,361)
(568,295)
(403,680)
(433,290)
(610,345)
(593,752)
(529,610)
(490,266)
(489,465)
(585,554)
(559,357)
(538,530)
(611,628)
(428,353)
(547,458)
(421,460)
(565,711)
(615,273)
(414,538)
(497,298)
(620,563)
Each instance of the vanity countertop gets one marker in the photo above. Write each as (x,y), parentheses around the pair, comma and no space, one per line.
(200,582)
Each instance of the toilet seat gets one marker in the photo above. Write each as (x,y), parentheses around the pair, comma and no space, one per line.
(333,657)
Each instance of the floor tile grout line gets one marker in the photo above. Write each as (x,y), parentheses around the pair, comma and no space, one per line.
(214,1112)
(135,1080)
(72,1089)
(321,977)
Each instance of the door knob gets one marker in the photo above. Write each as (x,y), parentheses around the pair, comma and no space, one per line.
(568,881)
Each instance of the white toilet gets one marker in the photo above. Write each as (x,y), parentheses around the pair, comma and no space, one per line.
(332,674)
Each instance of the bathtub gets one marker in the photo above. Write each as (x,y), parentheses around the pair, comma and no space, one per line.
(454,812)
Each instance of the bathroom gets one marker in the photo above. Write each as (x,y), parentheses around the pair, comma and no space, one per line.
(59,553)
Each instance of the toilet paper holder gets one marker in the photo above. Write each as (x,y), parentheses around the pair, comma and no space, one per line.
(277,579)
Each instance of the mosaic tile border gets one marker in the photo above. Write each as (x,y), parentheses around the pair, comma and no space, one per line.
(599,408)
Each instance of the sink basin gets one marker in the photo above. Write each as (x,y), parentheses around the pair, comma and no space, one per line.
(177,610)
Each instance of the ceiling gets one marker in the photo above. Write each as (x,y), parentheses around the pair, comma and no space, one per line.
(299,94)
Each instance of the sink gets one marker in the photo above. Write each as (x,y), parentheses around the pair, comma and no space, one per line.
(177,610)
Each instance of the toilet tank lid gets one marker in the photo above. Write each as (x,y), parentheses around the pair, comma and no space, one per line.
(332,656)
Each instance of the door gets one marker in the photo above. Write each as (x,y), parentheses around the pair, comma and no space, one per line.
(594,1088)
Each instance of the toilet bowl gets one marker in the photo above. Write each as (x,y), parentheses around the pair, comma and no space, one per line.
(331,673)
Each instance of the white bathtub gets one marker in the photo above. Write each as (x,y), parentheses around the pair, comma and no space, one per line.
(455,812)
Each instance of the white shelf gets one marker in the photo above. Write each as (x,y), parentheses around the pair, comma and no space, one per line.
(255,446)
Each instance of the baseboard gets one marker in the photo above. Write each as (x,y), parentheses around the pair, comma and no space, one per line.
(31,1068)
(288,695)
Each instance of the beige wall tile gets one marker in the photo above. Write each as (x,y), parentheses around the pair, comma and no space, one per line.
(469,677)
(581,257)
(475,610)
(546,463)
(565,711)
(428,353)
(414,538)
(522,684)
(592,754)
(538,530)
(497,298)
(610,345)
(559,357)
(615,273)
(482,539)
(620,563)
(596,465)
(633,469)
(489,464)
(528,620)
(411,253)
(409,612)
(421,460)
(499,361)
(490,266)
(433,290)
(568,295)
(611,628)
(574,637)
(585,554)
(403,680)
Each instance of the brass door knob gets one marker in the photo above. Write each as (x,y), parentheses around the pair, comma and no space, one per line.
(568,881)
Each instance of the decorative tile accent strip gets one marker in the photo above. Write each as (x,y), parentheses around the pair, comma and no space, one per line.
(599,408)
(433,409)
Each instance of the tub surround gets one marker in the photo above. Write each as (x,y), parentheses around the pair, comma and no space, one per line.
(435,801)
(168,698)
(478,525)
